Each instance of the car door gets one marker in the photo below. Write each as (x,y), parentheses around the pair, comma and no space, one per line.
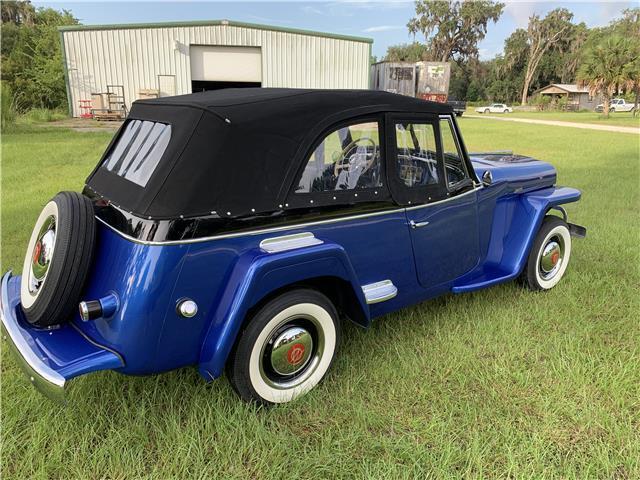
(441,207)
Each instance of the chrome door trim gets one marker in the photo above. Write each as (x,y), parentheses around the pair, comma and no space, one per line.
(439,202)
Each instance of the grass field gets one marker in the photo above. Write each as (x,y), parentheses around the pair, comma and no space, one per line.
(498,383)
(620,119)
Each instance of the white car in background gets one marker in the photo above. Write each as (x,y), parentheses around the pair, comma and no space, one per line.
(617,105)
(495,108)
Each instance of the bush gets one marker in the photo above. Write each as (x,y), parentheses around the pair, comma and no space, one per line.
(8,112)
(42,115)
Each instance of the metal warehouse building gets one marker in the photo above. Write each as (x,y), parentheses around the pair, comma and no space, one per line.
(142,60)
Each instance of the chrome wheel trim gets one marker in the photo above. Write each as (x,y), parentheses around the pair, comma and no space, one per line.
(42,254)
(551,257)
(290,351)
(313,349)
(317,365)
(43,243)
(559,234)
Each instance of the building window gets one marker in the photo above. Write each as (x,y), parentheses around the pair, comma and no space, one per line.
(348,158)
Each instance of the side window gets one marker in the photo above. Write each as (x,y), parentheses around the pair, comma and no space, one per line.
(455,168)
(347,159)
(416,154)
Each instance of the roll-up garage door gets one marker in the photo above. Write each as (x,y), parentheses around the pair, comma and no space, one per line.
(225,64)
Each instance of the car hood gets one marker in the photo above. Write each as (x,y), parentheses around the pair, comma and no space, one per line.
(517,171)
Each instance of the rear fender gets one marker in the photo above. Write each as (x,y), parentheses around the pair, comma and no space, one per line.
(255,275)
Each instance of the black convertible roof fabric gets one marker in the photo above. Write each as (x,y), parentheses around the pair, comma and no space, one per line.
(237,151)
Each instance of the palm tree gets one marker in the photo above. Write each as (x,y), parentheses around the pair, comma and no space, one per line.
(604,69)
(632,73)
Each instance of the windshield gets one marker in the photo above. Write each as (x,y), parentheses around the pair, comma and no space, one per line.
(138,150)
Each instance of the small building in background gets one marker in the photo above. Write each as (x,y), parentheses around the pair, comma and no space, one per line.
(107,67)
(577,98)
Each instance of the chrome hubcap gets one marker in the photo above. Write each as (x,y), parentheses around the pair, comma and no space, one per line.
(42,254)
(292,352)
(551,258)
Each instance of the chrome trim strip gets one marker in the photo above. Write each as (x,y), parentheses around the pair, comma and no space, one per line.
(418,207)
(379,291)
(278,229)
(289,242)
(284,228)
(47,380)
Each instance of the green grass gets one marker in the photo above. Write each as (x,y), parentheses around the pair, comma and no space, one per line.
(619,119)
(498,383)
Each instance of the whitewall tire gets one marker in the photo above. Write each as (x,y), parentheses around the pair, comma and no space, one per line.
(549,256)
(286,348)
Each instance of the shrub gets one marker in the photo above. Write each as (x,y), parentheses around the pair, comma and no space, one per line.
(8,112)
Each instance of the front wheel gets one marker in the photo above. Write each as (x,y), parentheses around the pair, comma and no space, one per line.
(487,111)
(549,255)
(286,348)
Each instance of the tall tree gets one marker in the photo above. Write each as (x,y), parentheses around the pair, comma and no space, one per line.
(632,74)
(452,29)
(406,52)
(605,67)
(17,12)
(32,58)
(542,34)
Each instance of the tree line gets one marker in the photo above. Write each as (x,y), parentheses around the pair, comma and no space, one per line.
(32,67)
(552,49)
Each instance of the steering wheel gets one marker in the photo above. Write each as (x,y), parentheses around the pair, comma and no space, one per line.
(343,163)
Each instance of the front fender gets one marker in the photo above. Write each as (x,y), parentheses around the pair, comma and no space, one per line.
(516,220)
(255,275)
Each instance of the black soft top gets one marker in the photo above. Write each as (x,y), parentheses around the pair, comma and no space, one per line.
(237,151)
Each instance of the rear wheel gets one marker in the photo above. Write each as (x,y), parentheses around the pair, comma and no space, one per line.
(286,348)
(57,261)
(486,110)
(549,256)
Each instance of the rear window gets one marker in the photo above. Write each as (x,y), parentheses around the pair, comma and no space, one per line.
(138,151)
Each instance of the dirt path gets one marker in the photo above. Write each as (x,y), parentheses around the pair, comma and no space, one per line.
(557,123)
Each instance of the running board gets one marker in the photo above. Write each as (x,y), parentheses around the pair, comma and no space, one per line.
(379,291)
(484,280)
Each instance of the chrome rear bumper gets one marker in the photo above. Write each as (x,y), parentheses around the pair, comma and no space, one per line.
(49,357)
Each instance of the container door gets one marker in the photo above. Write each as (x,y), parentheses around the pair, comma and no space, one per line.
(430,177)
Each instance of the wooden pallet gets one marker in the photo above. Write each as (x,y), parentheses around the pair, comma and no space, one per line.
(108,116)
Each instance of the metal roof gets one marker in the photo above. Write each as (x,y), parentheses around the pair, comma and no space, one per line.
(568,87)
(206,23)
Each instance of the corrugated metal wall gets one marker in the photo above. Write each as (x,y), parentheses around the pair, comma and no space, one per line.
(134,57)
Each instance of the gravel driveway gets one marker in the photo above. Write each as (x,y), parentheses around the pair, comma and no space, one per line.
(587,126)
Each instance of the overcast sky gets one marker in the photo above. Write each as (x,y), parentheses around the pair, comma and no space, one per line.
(385,22)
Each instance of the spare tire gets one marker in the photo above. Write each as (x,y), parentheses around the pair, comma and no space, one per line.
(57,261)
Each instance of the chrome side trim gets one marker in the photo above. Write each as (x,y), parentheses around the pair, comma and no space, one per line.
(439,202)
(47,380)
(379,291)
(289,242)
(251,232)
(279,229)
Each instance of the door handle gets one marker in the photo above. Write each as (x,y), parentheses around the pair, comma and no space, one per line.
(414,225)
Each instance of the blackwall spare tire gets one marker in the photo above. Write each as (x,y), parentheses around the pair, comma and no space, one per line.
(57,261)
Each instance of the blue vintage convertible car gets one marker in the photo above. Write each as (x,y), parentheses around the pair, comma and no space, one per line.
(234,230)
